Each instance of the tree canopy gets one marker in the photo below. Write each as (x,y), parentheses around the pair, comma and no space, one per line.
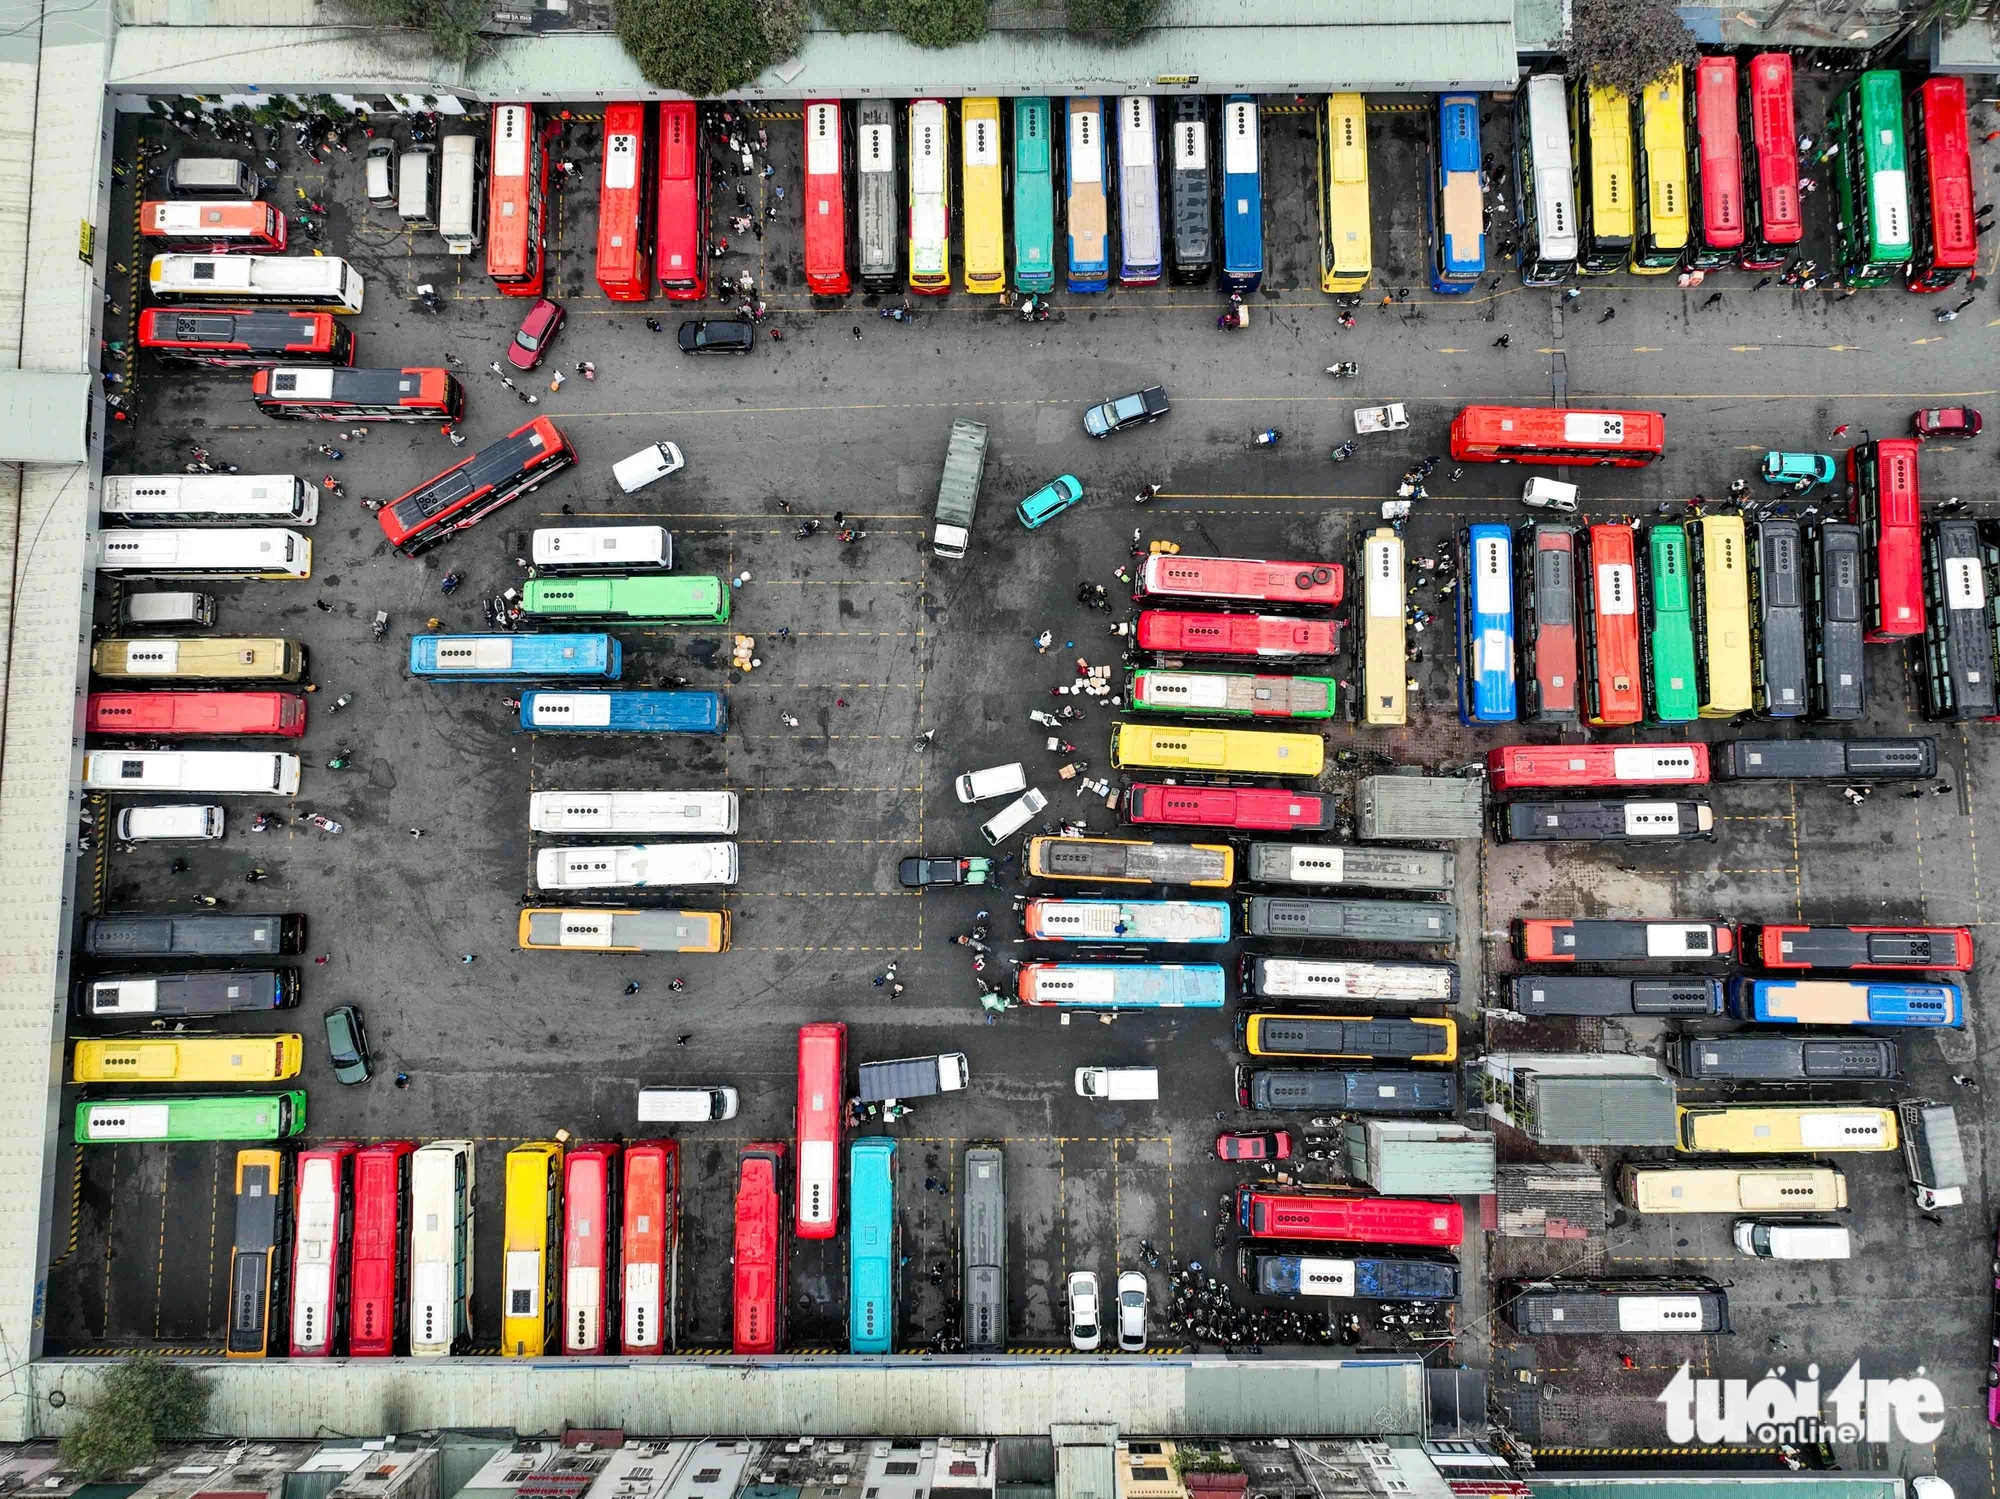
(1626,44)
(144,1402)
(708,47)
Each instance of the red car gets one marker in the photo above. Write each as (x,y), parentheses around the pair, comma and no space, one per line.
(1255,1145)
(1946,421)
(537,331)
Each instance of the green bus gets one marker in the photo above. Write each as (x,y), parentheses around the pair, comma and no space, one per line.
(1672,693)
(1871,232)
(220,1116)
(1034,197)
(651,596)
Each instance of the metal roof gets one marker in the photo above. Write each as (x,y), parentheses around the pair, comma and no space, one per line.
(1684,1485)
(1602,1110)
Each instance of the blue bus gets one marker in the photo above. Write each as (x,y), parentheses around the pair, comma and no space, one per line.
(1844,1002)
(1486,625)
(1086,208)
(1455,208)
(1123,986)
(515,658)
(872,1243)
(624,712)
(1242,197)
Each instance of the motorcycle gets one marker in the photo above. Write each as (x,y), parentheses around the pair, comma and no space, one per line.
(1347,369)
(449,583)
(1145,494)
(1269,437)
(427,294)
(324,823)
(1344,452)
(381,625)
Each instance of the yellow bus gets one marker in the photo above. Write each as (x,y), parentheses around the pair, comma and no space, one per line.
(597,929)
(1346,248)
(1242,751)
(1132,861)
(1660,239)
(983,223)
(1388,1038)
(1603,130)
(166,659)
(1732,1189)
(1384,656)
(189,1059)
(532,1249)
(1720,561)
(1759,1129)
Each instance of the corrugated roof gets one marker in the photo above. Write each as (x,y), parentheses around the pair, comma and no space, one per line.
(1603,1111)
(45,416)
(1682,1485)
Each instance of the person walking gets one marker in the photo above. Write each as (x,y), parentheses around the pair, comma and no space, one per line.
(632,986)
(1713,298)
(1840,431)
(1503,341)
(1609,314)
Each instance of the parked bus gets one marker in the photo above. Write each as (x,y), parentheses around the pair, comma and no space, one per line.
(1547,591)
(142,499)
(532,1248)
(1384,652)
(1946,242)
(1263,635)
(274,553)
(1613,695)
(245,337)
(473,488)
(624,232)
(1373,1279)
(1430,922)
(1517,767)
(600,812)
(379,1259)
(1776,225)
(825,199)
(982,1248)
(258,1254)
(515,658)
(873,1245)
(615,549)
(1348,1037)
(1249,808)
(1455,205)
(208,714)
(1666,609)
(1221,695)
(1320,1216)
(1720,561)
(1346,981)
(758,1294)
(1717,161)
(1556,941)
(1123,986)
(1839,672)
(191,1117)
(338,393)
(217,772)
(1346,238)
(878,196)
(681,259)
(1601,120)
(1608,821)
(442,1222)
(1782,1059)
(1486,623)
(189,1059)
(1872,240)
(1239,580)
(983,226)
(1141,255)
(199,659)
(1943,948)
(315,283)
(518,206)
(1193,200)
(1826,760)
(1731,1189)
(1566,994)
(1131,861)
(1050,919)
(1383,1091)
(1660,204)
(1232,751)
(1884,500)
(930,198)
(1550,434)
(203,936)
(1844,1002)
(1034,193)
(685,599)
(164,995)
(1242,196)
(649,1248)
(1357,866)
(1545,181)
(589,1271)
(323,1217)
(1624,1308)
(605,866)
(1086,207)
(1955,680)
(461,194)
(597,929)
(614,712)
(816,1127)
(1783,1129)
(1778,619)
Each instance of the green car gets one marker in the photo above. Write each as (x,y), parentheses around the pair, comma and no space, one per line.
(347,1045)
(1792,468)
(1051,500)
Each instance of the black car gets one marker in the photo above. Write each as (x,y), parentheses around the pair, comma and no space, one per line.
(347,1045)
(917,872)
(717,336)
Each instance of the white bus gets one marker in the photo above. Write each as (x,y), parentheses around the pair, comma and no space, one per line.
(247,552)
(441,1223)
(461,198)
(613,548)
(586,812)
(244,772)
(636,865)
(317,1252)
(324,283)
(210,498)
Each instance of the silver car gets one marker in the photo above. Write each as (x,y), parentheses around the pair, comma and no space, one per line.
(1132,1311)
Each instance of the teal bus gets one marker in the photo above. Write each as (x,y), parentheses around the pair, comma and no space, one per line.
(1672,695)
(1034,198)
(872,1244)
(1871,232)
(651,596)
(224,1116)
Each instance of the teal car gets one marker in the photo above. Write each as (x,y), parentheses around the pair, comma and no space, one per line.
(1051,500)
(1791,468)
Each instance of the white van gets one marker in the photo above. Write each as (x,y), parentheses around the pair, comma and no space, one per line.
(995,780)
(212,177)
(686,1105)
(380,173)
(1118,1084)
(1011,818)
(1793,1241)
(138,609)
(184,822)
(1550,494)
(413,188)
(654,461)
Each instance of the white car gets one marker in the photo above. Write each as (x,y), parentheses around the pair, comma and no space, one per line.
(1086,1328)
(1132,1311)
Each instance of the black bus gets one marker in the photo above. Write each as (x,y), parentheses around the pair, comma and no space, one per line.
(1354,1090)
(1783,1059)
(1824,760)
(1840,673)
(1778,619)
(1957,676)
(1547,994)
(1663,1304)
(1603,821)
(215,936)
(1190,200)
(1355,920)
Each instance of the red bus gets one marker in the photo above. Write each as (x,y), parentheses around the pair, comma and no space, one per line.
(1250,808)
(590,1284)
(1236,578)
(624,262)
(757,1297)
(1236,634)
(1946,949)
(379,1264)
(1884,500)
(649,1249)
(1771,166)
(683,204)
(215,228)
(1717,159)
(1612,690)
(319,393)
(517,206)
(1547,590)
(323,1208)
(469,491)
(1940,151)
(826,200)
(1525,765)
(1355,1220)
(226,713)
(239,337)
(1553,941)
(1554,434)
(816,1127)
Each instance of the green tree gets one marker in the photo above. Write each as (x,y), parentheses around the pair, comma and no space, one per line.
(453,25)
(1626,44)
(928,23)
(144,1401)
(1116,22)
(708,47)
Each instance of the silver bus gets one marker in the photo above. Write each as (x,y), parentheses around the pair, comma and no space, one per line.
(1420,871)
(1355,920)
(879,205)
(1346,981)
